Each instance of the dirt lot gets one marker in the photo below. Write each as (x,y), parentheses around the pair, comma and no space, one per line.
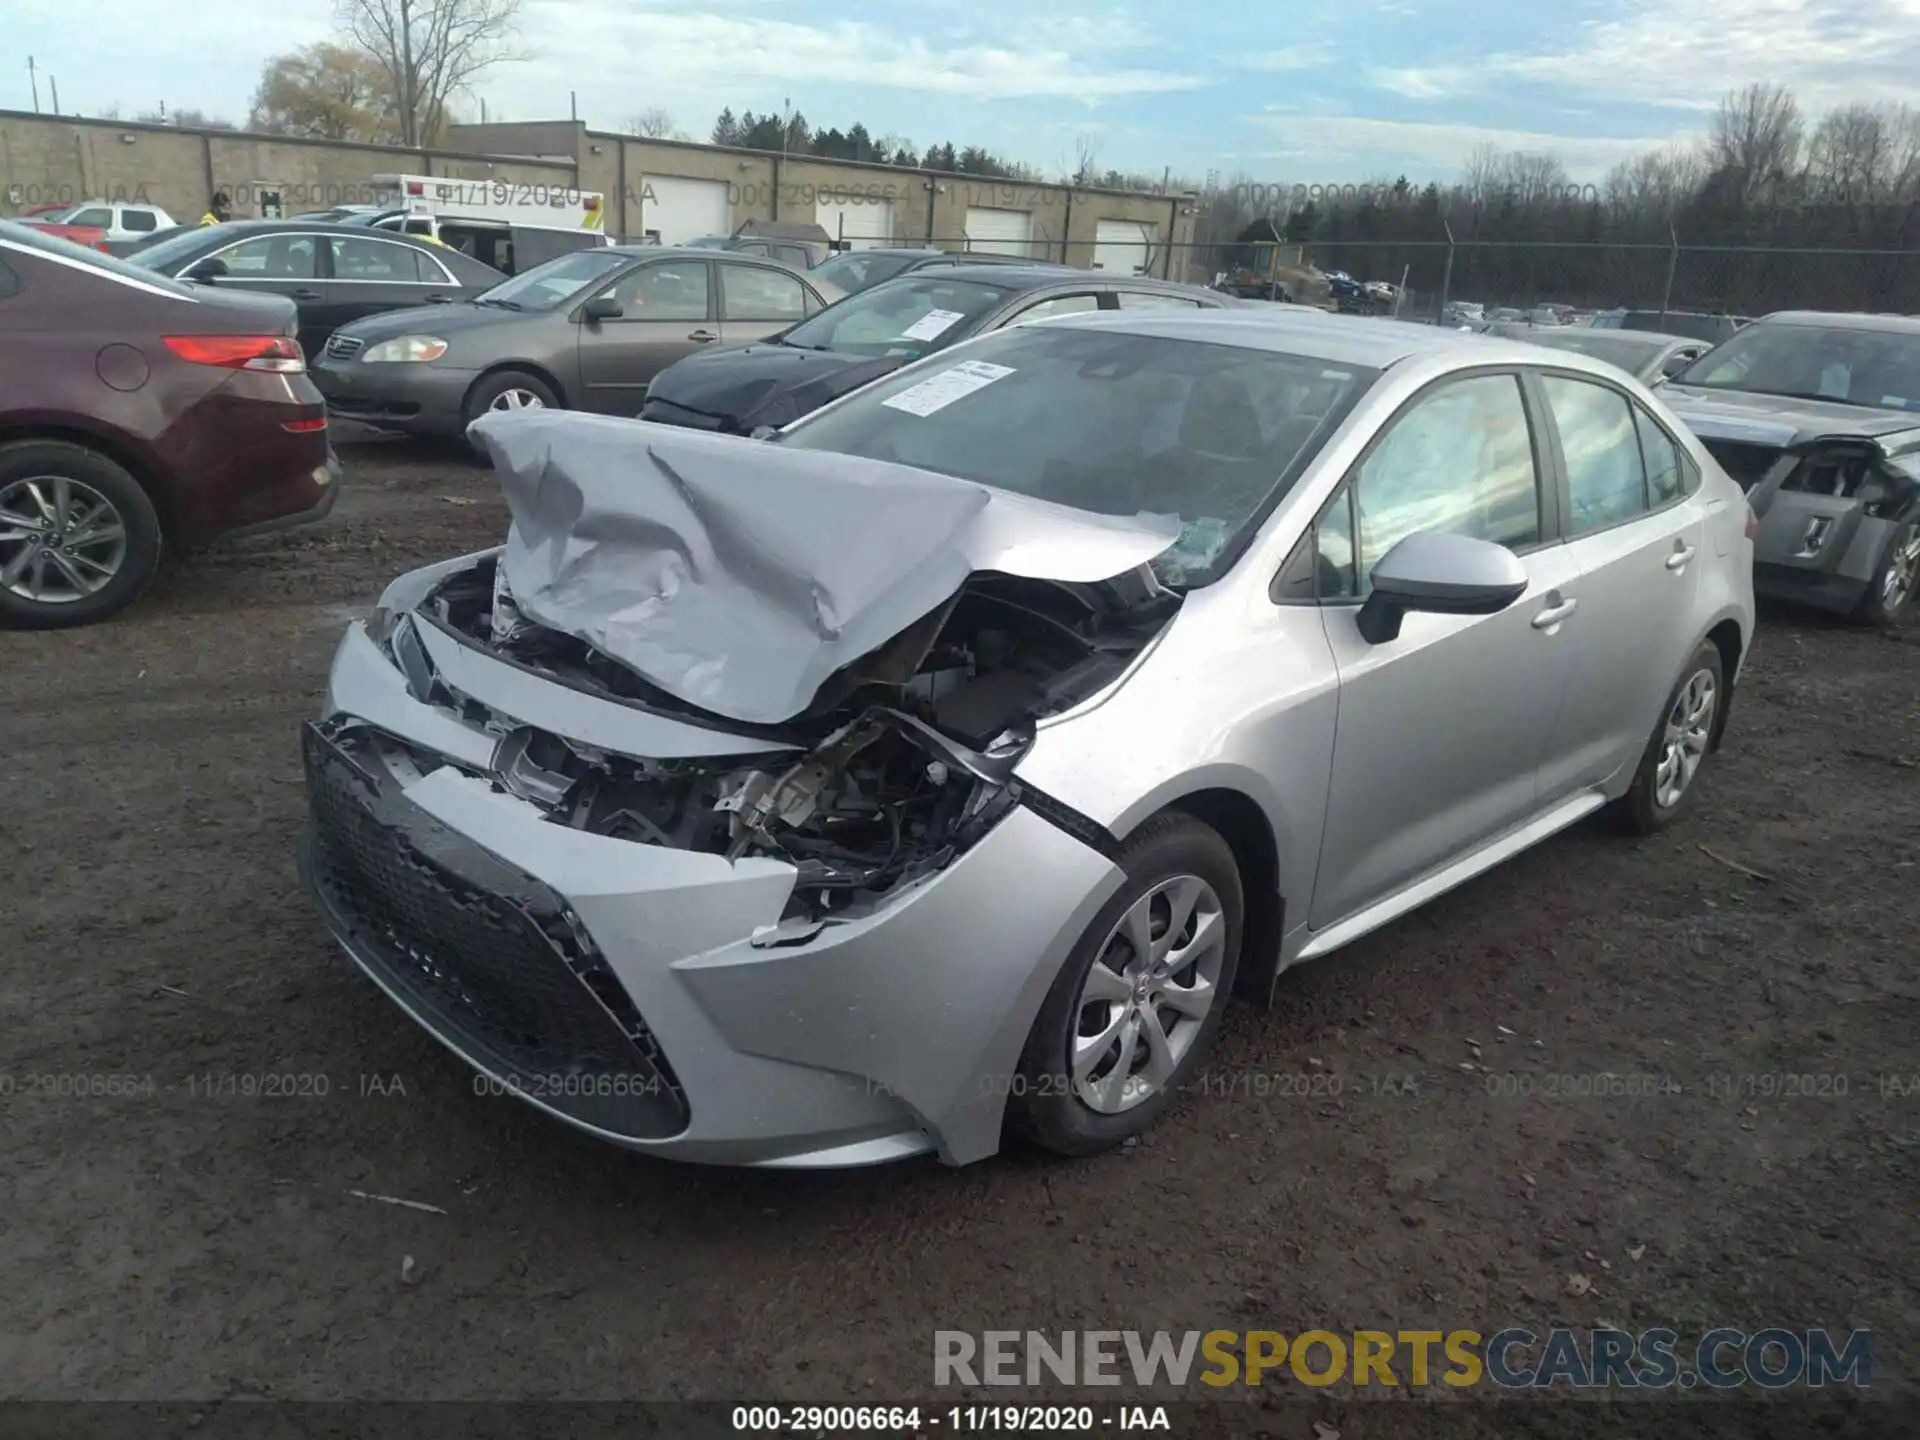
(185,1245)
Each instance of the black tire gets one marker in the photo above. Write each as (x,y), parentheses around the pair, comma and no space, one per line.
(1875,607)
(1043,1106)
(135,566)
(490,388)
(1640,811)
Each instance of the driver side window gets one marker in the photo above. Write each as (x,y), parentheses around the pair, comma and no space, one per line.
(1460,460)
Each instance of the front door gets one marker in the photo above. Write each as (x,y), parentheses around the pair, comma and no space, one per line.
(1441,731)
(282,264)
(758,301)
(1635,525)
(666,311)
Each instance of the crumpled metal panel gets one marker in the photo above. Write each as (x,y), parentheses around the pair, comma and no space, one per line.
(738,575)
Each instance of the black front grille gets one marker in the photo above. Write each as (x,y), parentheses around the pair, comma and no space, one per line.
(489,957)
(344,347)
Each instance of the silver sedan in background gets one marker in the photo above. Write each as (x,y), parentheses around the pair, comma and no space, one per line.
(938,767)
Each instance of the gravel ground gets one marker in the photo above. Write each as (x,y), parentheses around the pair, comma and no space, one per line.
(173,1243)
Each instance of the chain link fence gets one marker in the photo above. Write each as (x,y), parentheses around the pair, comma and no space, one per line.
(1520,275)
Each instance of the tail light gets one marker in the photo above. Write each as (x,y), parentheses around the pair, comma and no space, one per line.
(1753,524)
(278,354)
(304,427)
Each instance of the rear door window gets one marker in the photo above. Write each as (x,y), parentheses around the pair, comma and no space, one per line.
(753,292)
(270,257)
(141,222)
(1599,441)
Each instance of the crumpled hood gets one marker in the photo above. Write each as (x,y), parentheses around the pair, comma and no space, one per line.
(765,384)
(737,575)
(1777,419)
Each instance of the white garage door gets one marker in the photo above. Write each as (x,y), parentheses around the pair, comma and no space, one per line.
(674,211)
(864,224)
(1001,232)
(1124,247)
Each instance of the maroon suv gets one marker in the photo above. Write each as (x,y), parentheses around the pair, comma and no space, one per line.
(138,412)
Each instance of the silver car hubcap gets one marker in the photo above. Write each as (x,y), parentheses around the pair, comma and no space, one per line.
(1684,742)
(61,540)
(1147,993)
(1902,568)
(517,400)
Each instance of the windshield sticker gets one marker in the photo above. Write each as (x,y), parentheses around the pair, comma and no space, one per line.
(948,386)
(1895,402)
(932,325)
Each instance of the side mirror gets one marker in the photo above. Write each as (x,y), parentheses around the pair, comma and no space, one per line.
(206,271)
(602,307)
(1674,364)
(1440,574)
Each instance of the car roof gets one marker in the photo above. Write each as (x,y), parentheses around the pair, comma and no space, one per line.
(1304,330)
(1646,339)
(1844,320)
(1032,274)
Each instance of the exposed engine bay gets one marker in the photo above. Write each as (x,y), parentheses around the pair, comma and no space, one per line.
(903,760)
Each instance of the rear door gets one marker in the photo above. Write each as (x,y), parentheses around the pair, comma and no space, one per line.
(371,274)
(668,309)
(758,301)
(1635,526)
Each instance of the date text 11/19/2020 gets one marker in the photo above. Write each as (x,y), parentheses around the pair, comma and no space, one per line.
(955,1419)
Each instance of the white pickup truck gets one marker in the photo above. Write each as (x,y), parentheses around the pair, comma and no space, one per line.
(122,220)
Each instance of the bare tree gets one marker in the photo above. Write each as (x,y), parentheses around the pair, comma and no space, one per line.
(431,51)
(1755,141)
(1652,184)
(1086,161)
(1854,156)
(653,123)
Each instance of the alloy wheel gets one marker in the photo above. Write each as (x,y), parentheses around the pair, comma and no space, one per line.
(517,399)
(1684,742)
(1903,568)
(61,540)
(1147,994)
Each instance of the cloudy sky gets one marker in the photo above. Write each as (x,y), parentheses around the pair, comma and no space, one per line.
(1336,91)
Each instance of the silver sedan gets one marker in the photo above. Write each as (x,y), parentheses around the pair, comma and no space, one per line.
(939,767)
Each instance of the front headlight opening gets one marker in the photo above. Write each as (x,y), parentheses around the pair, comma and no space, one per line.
(417,349)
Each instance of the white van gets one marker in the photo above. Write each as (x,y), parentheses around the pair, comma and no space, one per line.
(508,224)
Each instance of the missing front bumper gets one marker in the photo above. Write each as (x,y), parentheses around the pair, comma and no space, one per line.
(487,957)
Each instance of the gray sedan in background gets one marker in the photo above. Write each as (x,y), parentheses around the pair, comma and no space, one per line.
(1650,358)
(940,765)
(585,331)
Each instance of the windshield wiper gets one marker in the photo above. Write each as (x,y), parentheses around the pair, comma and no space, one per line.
(503,304)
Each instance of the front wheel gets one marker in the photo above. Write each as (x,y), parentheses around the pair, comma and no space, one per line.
(1893,585)
(1678,750)
(507,391)
(1141,997)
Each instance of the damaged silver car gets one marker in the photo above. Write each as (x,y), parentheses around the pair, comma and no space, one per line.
(939,766)
(1817,416)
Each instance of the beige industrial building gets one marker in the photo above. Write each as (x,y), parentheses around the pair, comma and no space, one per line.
(667,191)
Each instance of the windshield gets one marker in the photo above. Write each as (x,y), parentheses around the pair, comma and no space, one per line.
(1874,368)
(1108,422)
(857,272)
(28,237)
(163,255)
(911,317)
(549,286)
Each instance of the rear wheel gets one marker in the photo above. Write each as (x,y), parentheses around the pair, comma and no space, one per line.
(1893,586)
(1678,750)
(1140,999)
(79,538)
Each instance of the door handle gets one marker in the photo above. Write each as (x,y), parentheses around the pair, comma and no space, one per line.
(1682,553)
(1556,611)
(306,294)
(701,337)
